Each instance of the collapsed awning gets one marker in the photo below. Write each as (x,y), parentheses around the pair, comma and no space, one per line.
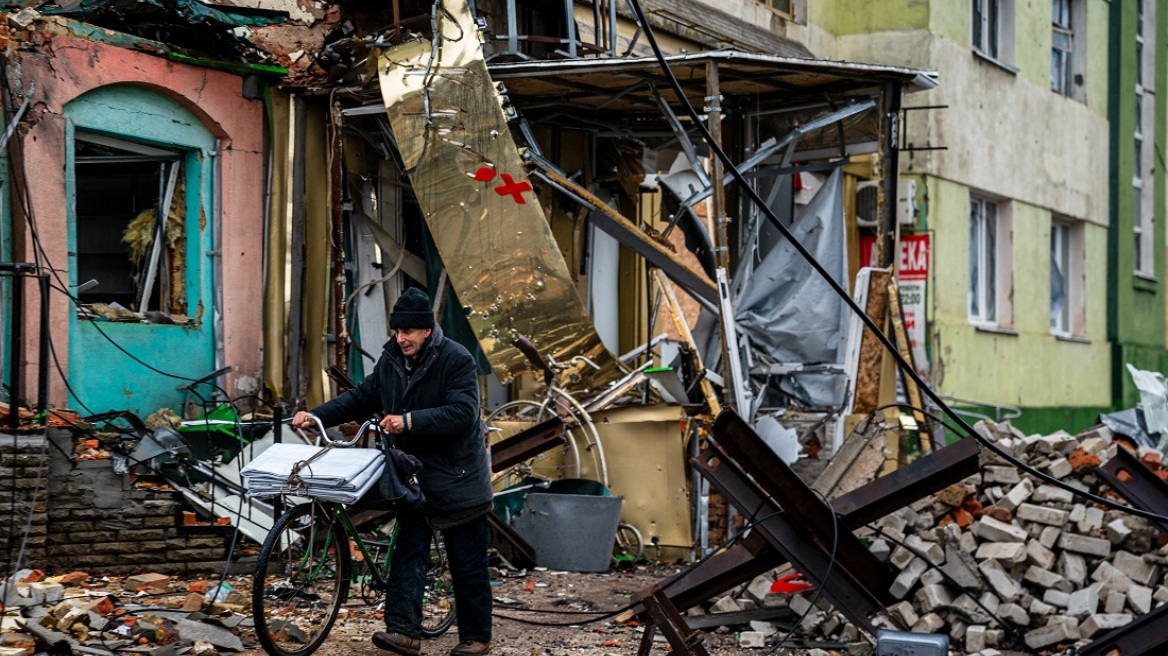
(626,85)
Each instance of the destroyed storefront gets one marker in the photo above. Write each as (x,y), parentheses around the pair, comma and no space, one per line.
(568,201)
(134,194)
(136,183)
(570,221)
(572,203)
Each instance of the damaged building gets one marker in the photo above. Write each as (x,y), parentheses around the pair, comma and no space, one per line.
(637,216)
(304,178)
(211,207)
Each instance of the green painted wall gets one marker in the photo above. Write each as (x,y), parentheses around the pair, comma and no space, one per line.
(1098,49)
(1044,421)
(1025,366)
(1032,41)
(842,17)
(111,380)
(1137,305)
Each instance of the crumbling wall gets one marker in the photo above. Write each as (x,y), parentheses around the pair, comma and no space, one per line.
(96,520)
(23,495)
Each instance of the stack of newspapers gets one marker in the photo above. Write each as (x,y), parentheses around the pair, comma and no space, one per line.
(336,474)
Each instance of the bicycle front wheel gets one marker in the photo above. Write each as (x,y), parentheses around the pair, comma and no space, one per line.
(301,580)
(438,598)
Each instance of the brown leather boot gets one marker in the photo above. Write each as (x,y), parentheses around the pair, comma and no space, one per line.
(398,643)
(469,648)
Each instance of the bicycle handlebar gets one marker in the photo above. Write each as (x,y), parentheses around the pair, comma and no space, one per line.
(587,361)
(369,425)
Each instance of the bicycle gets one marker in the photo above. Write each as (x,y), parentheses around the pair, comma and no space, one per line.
(581,439)
(310,559)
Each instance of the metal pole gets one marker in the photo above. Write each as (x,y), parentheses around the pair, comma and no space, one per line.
(14,371)
(612,28)
(714,118)
(889,172)
(43,365)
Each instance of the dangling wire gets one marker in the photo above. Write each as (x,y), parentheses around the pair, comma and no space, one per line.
(905,367)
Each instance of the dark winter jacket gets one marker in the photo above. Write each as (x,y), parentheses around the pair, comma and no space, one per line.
(446,434)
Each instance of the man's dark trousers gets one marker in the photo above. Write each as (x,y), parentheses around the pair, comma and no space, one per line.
(466,550)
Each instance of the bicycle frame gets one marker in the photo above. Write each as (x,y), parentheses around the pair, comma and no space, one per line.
(379,572)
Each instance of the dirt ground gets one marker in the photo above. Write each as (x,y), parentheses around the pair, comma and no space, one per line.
(546,613)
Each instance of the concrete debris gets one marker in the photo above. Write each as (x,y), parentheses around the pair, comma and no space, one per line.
(1032,568)
(83,615)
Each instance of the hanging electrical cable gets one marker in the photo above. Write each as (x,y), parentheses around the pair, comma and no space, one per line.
(904,366)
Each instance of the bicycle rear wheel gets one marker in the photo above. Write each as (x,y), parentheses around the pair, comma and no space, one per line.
(301,580)
(438,598)
(582,454)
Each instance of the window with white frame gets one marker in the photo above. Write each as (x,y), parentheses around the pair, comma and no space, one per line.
(1062,40)
(983,260)
(1142,208)
(993,29)
(1062,278)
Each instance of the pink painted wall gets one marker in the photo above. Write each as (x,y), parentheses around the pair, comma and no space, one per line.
(75,66)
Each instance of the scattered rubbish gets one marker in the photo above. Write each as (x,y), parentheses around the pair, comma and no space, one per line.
(218,594)
(1154,401)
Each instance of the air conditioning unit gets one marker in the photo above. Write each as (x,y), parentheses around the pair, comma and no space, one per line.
(906,203)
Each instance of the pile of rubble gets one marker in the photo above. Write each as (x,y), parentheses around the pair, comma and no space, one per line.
(1004,560)
(147,614)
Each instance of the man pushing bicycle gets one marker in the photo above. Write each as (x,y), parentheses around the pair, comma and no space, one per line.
(427,388)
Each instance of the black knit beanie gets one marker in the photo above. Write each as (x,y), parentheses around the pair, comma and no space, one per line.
(412,310)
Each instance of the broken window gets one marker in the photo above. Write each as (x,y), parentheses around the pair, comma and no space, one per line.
(130,262)
(993,29)
(1060,278)
(983,260)
(1062,47)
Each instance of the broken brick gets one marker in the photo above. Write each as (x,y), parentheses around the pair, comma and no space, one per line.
(1000,514)
(101,605)
(18,641)
(954,495)
(152,582)
(193,602)
(1082,461)
(73,578)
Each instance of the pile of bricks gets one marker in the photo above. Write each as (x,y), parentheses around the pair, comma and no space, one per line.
(1005,560)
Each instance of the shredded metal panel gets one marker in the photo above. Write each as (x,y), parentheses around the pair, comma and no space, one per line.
(510,277)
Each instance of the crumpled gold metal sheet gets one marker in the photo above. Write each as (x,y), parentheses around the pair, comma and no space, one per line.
(451,128)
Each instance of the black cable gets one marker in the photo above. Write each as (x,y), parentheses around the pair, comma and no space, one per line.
(64,378)
(39,252)
(905,367)
(1005,455)
(8,572)
(823,582)
(607,614)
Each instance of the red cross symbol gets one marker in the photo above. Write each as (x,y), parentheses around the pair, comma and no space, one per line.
(512,188)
